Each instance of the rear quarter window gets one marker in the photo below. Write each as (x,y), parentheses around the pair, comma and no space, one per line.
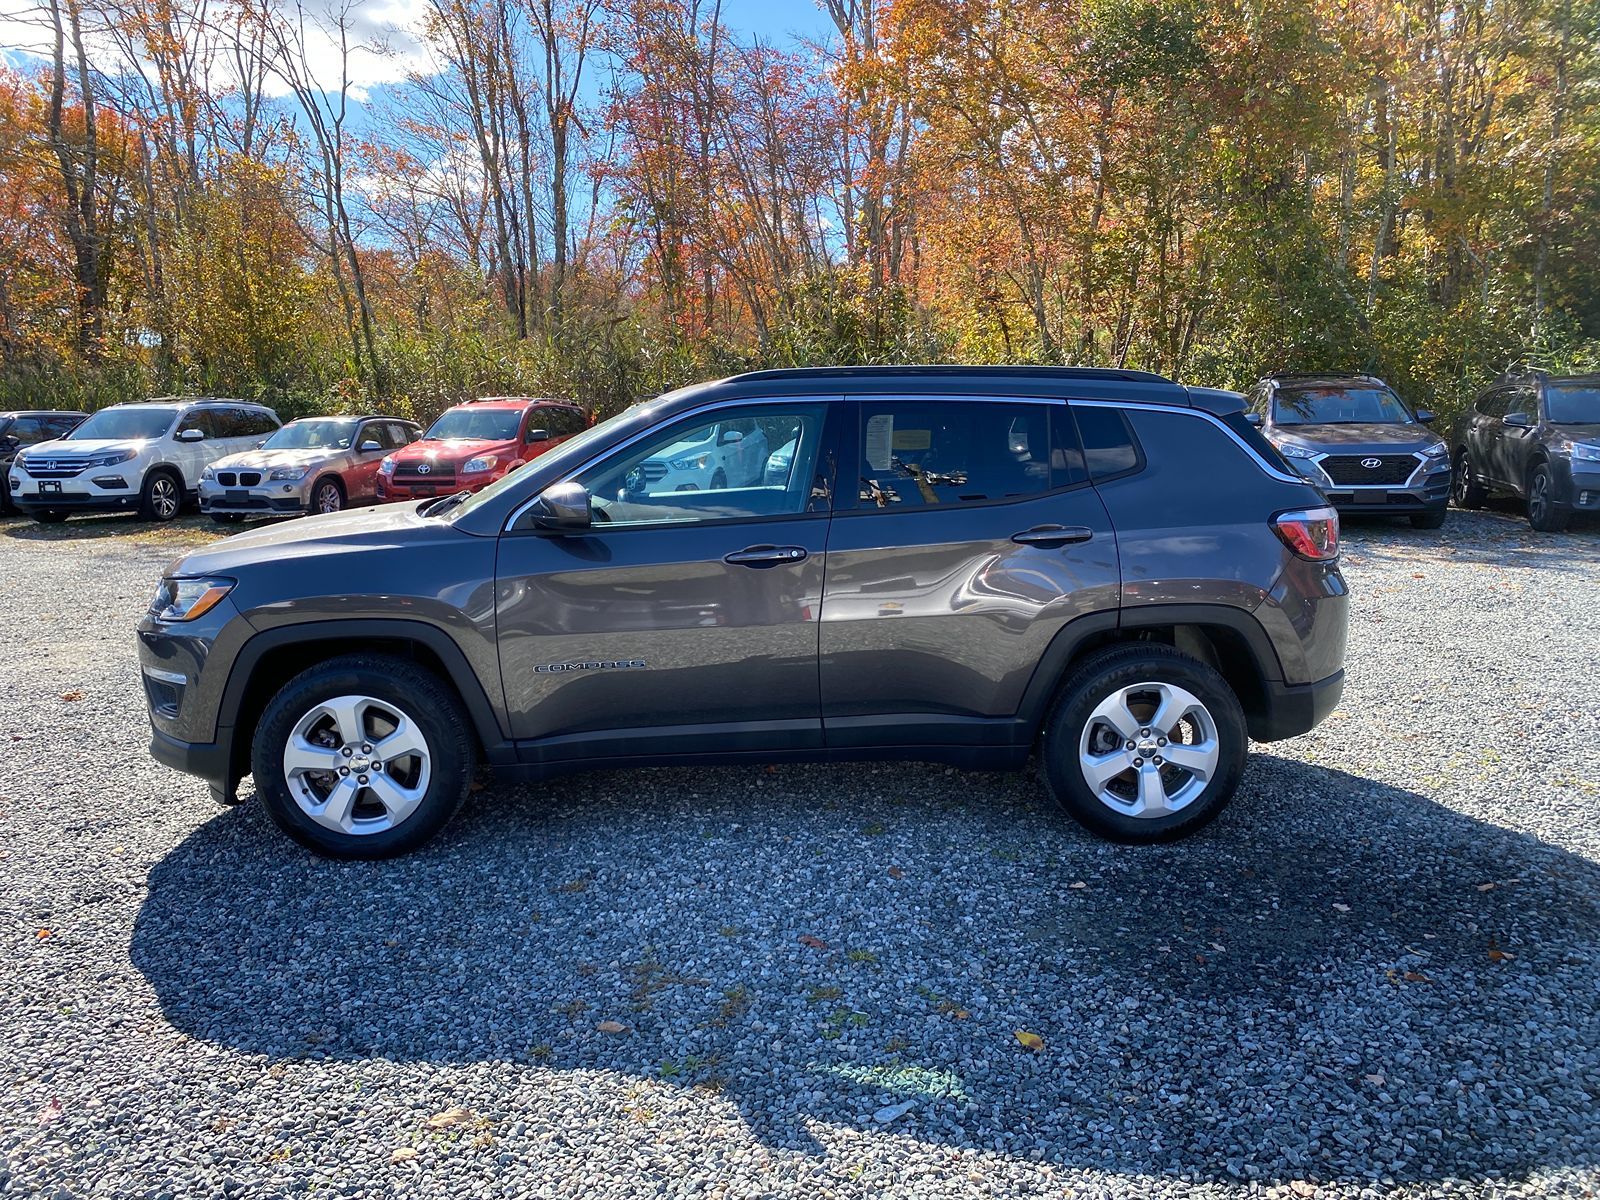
(1110,448)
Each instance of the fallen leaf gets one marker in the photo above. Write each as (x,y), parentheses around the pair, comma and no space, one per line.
(1341,907)
(50,1112)
(611,1027)
(449,1118)
(1485,887)
(815,943)
(1376,1079)
(1201,959)
(1498,955)
(896,873)
(1079,886)
(1218,947)
(1415,977)
(43,933)
(960,1014)
(75,694)
(577,885)
(1031,1041)
(402,1154)
(1301,1187)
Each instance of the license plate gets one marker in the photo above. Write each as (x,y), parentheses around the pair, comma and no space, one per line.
(422,491)
(50,487)
(238,497)
(1372,497)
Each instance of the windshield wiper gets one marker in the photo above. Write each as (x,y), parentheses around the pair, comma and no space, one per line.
(440,507)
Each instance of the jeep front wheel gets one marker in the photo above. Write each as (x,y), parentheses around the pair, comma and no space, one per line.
(1145,744)
(364,756)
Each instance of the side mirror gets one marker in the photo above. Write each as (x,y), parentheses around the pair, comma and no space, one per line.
(191,435)
(1425,416)
(564,508)
(261,443)
(730,436)
(1518,420)
(538,435)
(1253,419)
(370,448)
(7,442)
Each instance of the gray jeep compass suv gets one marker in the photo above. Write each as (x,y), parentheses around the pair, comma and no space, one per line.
(965,565)
(1359,442)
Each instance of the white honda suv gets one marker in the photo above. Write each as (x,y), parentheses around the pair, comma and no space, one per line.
(146,456)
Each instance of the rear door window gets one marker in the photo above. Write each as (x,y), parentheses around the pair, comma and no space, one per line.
(921,453)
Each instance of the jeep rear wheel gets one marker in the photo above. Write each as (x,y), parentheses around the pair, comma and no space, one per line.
(161,498)
(364,756)
(1145,744)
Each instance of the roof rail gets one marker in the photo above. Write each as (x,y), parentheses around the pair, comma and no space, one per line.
(1321,375)
(935,369)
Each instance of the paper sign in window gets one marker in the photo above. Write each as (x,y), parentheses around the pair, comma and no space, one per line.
(879,441)
(913,439)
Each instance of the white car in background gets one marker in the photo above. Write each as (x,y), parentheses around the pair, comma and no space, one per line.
(724,454)
(146,456)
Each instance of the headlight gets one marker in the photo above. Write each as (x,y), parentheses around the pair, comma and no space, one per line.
(1291,450)
(111,460)
(286,474)
(698,463)
(386,467)
(1584,452)
(187,599)
(484,462)
(1437,450)
(209,473)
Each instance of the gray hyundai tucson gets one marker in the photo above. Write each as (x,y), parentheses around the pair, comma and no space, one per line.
(1104,570)
(1359,442)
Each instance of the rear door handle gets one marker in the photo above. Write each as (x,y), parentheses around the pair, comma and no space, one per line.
(765,556)
(1053,535)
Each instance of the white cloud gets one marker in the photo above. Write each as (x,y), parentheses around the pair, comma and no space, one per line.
(384,40)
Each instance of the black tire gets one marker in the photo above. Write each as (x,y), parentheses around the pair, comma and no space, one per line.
(161,497)
(1546,513)
(1466,491)
(1433,519)
(227,518)
(1098,678)
(417,694)
(328,490)
(719,480)
(6,507)
(49,516)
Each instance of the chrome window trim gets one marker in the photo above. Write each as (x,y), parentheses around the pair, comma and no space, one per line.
(988,397)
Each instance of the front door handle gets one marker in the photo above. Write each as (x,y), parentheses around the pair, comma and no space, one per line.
(1053,535)
(765,556)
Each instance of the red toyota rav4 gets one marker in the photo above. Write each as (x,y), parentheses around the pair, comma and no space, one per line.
(473,444)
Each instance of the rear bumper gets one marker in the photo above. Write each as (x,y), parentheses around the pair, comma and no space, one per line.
(1295,708)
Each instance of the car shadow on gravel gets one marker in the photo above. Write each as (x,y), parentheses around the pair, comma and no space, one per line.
(1340,981)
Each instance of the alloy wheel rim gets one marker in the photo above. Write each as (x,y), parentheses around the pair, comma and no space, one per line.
(1538,494)
(1463,479)
(328,498)
(1149,750)
(164,498)
(357,765)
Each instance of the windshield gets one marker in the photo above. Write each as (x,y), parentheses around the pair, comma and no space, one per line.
(1338,404)
(1573,404)
(124,425)
(484,424)
(312,435)
(571,452)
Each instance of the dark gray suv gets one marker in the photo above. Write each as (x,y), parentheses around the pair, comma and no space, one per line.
(1359,442)
(1534,436)
(961,565)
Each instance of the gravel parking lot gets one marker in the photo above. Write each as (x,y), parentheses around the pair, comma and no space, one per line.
(1376,974)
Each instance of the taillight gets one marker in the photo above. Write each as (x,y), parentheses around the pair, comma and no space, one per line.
(1310,532)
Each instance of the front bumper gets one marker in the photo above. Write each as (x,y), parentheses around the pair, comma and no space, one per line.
(1295,708)
(78,494)
(184,667)
(1580,490)
(262,500)
(389,489)
(1427,489)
